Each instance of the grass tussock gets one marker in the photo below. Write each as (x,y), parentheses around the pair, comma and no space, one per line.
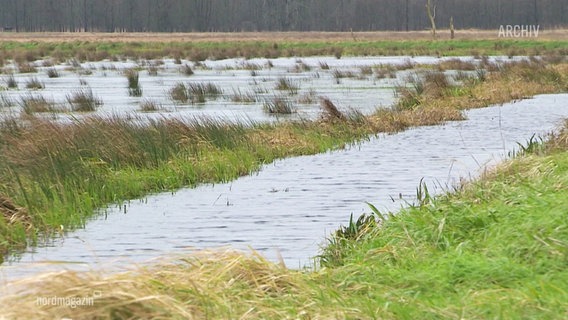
(11,82)
(194,92)
(52,73)
(243,97)
(148,105)
(34,84)
(279,105)
(457,64)
(83,100)
(32,103)
(133,77)
(27,68)
(286,84)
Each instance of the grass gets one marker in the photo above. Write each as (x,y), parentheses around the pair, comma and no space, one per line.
(243,97)
(178,93)
(31,104)
(5,101)
(134,88)
(52,73)
(11,82)
(148,105)
(271,46)
(285,84)
(495,249)
(194,92)
(83,100)
(35,84)
(278,105)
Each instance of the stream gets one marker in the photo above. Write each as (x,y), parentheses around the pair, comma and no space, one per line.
(288,208)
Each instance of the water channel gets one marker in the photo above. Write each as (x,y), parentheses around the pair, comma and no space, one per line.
(289,207)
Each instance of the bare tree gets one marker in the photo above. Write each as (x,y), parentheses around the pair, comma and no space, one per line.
(431,10)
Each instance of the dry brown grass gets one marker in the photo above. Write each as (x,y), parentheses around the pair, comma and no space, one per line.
(470,34)
(14,214)
(202,285)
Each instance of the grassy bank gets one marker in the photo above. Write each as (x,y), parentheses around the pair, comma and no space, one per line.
(28,51)
(53,176)
(496,249)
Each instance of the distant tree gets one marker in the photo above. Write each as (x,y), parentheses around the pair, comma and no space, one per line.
(431,10)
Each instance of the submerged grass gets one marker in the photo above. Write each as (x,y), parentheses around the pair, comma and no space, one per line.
(83,100)
(495,249)
(134,88)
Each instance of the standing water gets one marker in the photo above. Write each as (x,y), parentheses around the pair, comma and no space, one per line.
(290,206)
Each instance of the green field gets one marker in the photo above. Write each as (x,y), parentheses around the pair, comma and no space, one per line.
(201,50)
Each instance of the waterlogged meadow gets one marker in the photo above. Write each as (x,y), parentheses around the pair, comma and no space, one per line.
(95,126)
(235,89)
(102,133)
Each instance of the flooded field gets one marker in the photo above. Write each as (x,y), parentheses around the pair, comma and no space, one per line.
(246,86)
(290,206)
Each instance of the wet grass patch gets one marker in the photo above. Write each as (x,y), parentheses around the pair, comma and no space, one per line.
(243,97)
(83,100)
(133,77)
(286,84)
(194,92)
(148,105)
(34,84)
(279,105)
(52,73)
(36,103)
(11,81)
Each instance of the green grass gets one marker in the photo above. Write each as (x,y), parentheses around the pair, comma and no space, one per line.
(496,249)
(198,51)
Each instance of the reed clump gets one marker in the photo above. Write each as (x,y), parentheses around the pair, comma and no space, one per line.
(286,84)
(27,68)
(133,77)
(278,105)
(194,92)
(31,103)
(11,82)
(83,100)
(34,84)
(148,105)
(52,73)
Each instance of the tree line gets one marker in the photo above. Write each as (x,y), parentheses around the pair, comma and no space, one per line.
(273,15)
